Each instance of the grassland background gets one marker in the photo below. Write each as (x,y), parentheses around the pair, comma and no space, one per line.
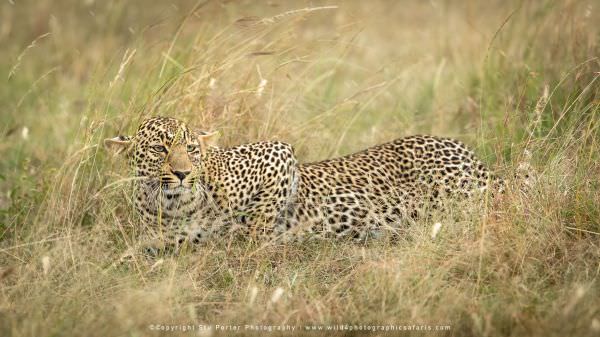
(503,76)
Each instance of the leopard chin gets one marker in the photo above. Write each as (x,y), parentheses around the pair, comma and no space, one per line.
(172,189)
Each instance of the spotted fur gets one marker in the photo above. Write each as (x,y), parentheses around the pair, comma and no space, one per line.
(188,190)
(385,186)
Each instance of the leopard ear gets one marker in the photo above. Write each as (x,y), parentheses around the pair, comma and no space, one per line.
(207,140)
(117,144)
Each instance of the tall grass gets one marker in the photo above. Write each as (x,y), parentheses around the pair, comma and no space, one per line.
(509,78)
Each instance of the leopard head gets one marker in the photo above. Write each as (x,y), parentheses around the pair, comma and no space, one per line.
(164,151)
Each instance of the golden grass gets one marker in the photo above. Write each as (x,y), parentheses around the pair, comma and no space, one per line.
(329,78)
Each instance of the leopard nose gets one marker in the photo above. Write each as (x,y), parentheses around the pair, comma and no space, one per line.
(180,174)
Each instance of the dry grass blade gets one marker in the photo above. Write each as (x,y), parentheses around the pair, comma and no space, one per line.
(255,21)
(33,43)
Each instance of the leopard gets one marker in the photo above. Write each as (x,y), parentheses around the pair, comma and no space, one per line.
(189,190)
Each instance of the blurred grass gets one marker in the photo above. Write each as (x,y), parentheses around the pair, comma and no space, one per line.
(337,80)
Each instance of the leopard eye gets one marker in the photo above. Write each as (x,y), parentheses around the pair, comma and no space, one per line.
(192,147)
(158,148)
